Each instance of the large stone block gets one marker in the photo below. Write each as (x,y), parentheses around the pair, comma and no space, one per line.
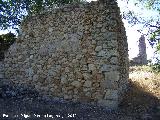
(109,104)
(111,94)
(111,80)
(112,75)
(108,67)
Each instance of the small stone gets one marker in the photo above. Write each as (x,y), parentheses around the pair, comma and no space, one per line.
(99,77)
(69,88)
(20,57)
(93,53)
(85,68)
(96,85)
(52,89)
(87,83)
(50,29)
(49,66)
(63,80)
(67,69)
(78,57)
(99,25)
(79,75)
(91,67)
(97,95)
(88,94)
(74,61)
(86,89)
(103,29)
(39,66)
(84,50)
(50,60)
(98,48)
(27,36)
(67,97)
(93,42)
(114,60)
(75,91)
(76,84)
(35,77)
(101,53)
(31,57)
(105,46)
(114,52)
(86,76)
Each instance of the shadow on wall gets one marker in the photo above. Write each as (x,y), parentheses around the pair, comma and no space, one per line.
(138,101)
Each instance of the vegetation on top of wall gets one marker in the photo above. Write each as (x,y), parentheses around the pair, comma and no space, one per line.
(6,40)
(12,12)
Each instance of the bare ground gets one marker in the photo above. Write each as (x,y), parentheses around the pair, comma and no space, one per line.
(141,102)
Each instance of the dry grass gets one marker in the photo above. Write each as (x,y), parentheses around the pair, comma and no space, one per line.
(144,92)
(140,68)
(145,78)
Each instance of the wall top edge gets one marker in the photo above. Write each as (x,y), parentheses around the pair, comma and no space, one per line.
(73,6)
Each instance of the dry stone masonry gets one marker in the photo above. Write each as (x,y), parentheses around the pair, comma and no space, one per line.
(78,52)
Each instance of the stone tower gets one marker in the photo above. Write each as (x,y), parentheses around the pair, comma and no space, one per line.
(142,50)
(141,58)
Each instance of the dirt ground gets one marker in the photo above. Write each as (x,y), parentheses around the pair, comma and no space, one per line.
(141,102)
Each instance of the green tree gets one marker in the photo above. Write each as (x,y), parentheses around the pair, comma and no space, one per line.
(155,34)
(152,24)
(12,12)
(6,40)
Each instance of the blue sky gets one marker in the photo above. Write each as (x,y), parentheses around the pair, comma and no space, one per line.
(132,34)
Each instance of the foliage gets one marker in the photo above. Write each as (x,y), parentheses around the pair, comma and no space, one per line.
(155,34)
(152,23)
(6,40)
(156,67)
(13,11)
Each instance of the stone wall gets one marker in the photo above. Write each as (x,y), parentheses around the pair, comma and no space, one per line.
(78,52)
